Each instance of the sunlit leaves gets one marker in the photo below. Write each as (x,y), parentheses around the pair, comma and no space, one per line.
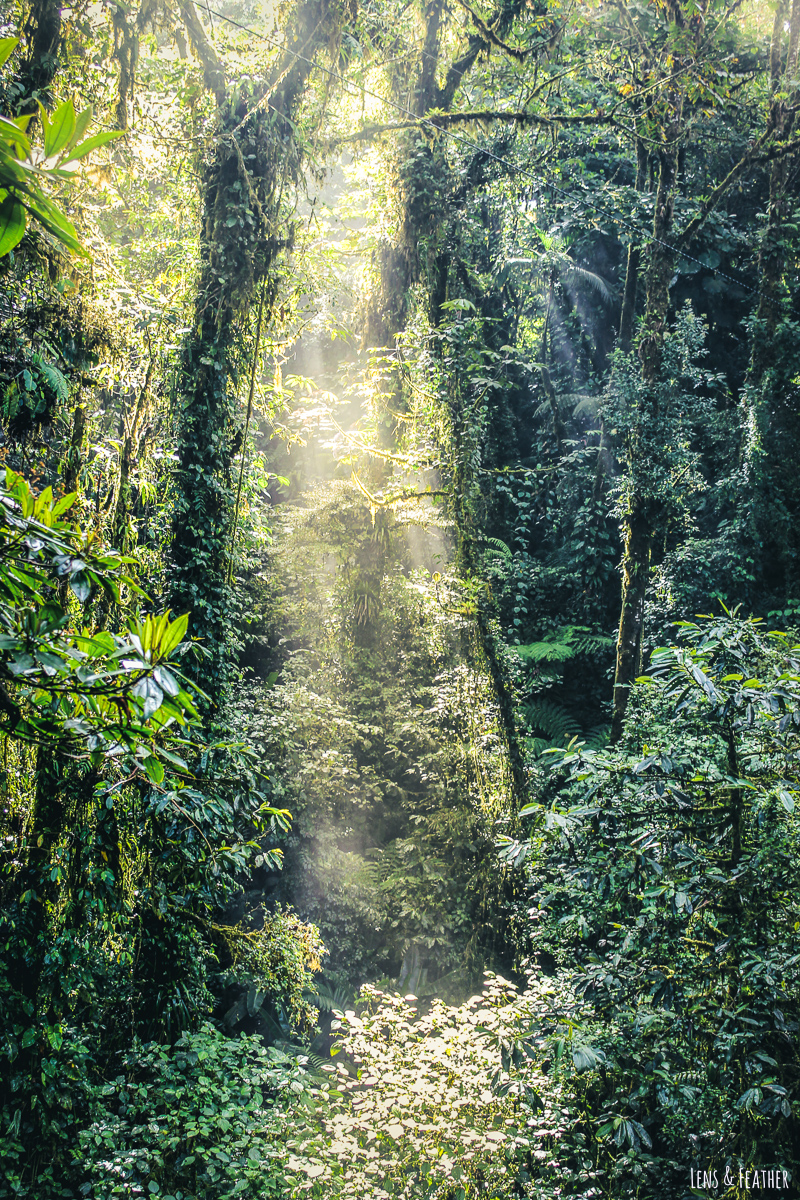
(7,47)
(100,688)
(27,171)
(12,222)
(433,1096)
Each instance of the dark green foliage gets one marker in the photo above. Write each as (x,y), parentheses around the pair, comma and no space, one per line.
(770,531)
(205,1118)
(663,885)
(117,852)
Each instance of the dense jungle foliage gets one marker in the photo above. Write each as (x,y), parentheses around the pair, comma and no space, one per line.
(399,599)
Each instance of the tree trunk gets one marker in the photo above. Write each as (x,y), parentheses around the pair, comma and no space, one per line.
(132,430)
(255,156)
(638,534)
(43,38)
(643,514)
(771,436)
(772,253)
(628,313)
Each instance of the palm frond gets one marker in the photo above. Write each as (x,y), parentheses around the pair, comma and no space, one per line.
(328,999)
(589,279)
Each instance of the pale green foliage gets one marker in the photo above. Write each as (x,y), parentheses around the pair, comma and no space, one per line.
(387,743)
(440,1101)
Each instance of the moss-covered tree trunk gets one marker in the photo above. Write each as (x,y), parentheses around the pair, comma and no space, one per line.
(772,439)
(255,158)
(402,263)
(43,38)
(642,513)
(420,255)
(632,266)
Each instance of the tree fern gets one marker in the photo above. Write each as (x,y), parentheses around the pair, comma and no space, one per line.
(556,728)
(565,643)
(552,720)
(586,406)
(581,404)
(553,648)
(587,642)
(555,263)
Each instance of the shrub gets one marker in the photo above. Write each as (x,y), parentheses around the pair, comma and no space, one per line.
(202,1120)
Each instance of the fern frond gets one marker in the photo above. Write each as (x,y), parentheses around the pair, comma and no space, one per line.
(565,643)
(496,546)
(546,652)
(587,406)
(316,1063)
(58,382)
(362,874)
(594,643)
(538,745)
(387,861)
(552,720)
(550,650)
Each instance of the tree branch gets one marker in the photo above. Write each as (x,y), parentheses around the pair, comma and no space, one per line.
(708,205)
(489,36)
(443,120)
(779,150)
(213,70)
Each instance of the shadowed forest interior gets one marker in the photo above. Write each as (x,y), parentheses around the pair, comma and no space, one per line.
(399,599)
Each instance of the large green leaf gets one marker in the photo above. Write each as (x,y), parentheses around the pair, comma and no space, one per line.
(82,121)
(81,586)
(7,47)
(54,221)
(13,173)
(12,223)
(58,132)
(13,133)
(92,143)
